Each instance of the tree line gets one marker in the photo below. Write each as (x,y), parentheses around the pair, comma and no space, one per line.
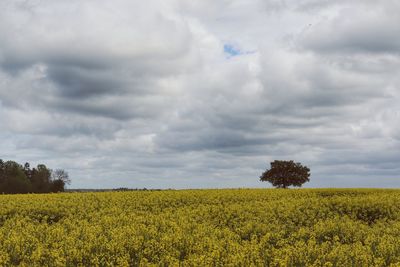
(18,179)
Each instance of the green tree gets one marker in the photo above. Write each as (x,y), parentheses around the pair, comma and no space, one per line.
(286,173)
(40,179)
(13,178)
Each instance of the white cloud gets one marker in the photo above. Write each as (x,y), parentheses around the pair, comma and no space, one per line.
(143,95)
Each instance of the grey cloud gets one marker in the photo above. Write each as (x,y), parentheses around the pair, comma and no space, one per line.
(64,126)
(77,56)
(126,94)
(372,29)
(80,83)
(123,107)
(208,139)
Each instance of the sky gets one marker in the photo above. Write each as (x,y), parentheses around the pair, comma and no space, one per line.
(202,93)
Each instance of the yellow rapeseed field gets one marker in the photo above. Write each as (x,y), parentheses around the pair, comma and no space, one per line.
(235,227)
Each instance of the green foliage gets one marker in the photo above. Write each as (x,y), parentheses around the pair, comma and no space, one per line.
(286,173)
(15,178)
(202,228)
(12,178)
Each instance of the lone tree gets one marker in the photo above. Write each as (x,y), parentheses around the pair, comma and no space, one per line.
(285,173)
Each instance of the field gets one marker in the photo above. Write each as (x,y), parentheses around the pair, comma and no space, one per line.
(238,227)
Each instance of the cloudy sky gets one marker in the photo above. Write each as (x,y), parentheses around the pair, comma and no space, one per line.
(202,93)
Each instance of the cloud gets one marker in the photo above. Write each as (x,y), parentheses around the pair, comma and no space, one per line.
(167,94)
(356,29)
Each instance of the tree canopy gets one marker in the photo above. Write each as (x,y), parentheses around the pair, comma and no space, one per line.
(15,178)
(286,173)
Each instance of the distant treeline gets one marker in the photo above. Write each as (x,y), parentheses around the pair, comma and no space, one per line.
(15,178)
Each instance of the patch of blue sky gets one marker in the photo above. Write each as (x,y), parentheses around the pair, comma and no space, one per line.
(233,51)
